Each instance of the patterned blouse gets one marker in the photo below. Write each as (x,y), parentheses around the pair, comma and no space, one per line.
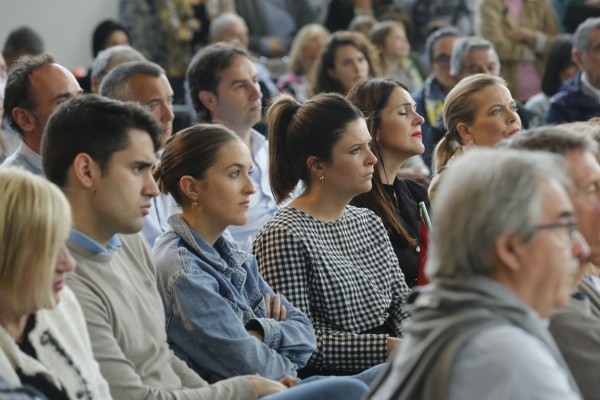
(344,275)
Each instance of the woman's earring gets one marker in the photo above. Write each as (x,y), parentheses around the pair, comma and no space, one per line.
(194,205)
(322,178)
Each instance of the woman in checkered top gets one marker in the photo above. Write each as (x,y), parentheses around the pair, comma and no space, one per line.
(333,261)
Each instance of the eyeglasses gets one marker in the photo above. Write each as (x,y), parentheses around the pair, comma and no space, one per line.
(442,58)
(570,226)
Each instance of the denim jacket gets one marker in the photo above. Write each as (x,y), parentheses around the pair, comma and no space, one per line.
(212,295)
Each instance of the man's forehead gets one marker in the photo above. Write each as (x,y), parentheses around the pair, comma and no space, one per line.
(583,166)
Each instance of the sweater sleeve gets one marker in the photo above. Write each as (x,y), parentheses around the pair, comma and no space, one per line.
(285,262)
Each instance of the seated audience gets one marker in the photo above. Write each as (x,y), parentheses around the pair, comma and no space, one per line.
(44,342)
(9,140)
(107,34)
(478,111)
(223,319)
(35,87)
(146,83)
(577,99)
(504,255)
(273,23)
(100,152)
(521,32)
(333,261)
(349,58)
(108,59)
(430,100)
(20,42)
(576,327)
(389,37)
(559,68)
(395,129)
(306,48)
(474,55)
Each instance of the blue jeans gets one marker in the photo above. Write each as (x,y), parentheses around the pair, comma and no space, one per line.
(326,388)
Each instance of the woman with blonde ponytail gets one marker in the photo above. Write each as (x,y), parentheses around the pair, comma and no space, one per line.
(478,111)
(333,261)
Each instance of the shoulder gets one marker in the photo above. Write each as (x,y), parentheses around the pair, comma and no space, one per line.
(527,366)
(412,189)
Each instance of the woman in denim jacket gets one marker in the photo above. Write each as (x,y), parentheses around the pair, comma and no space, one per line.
(222,318)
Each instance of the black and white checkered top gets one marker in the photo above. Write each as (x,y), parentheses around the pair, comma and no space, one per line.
(344,275)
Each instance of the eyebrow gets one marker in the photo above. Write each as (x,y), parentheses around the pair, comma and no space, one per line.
(254,78)
(143,164)
(566,214)
(66,95)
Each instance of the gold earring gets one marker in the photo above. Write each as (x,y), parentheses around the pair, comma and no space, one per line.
(194,205)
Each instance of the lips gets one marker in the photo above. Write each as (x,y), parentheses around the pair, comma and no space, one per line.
(58,285)
(514,132)
(417,134)
(146,209)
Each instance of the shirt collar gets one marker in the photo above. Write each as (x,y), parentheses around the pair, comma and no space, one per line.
(91,245)
(31,156)
(588,88)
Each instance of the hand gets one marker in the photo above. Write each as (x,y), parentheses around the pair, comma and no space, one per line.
(523,35)
(275,46)
(263,386)
(257,334)
(278,312)
(392,342)
(288,381)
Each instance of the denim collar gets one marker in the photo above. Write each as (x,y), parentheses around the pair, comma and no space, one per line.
(223,255)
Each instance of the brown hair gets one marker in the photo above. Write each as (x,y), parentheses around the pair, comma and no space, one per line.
(297,132)
(371,97)
(190,152)
(322,82)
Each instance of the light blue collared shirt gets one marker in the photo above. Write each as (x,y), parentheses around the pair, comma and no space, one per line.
(90,244)
(26,158)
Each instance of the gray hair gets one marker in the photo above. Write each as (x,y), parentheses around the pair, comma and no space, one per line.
(487,193)
(554,139)
(581,38)
(111,57)
(221,23)
(463,47)
(116,84)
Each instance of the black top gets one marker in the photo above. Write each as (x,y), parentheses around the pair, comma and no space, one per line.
(408,195)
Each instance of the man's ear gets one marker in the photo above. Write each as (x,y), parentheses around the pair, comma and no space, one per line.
(86,170)
(208,99)
(508,251)
(190,187)
(24,118)
(577,58)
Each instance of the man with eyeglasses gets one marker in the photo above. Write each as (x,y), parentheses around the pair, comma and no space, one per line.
(504,255)
(576,327)
(430,100)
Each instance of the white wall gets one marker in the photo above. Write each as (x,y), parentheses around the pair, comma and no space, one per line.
(65,25)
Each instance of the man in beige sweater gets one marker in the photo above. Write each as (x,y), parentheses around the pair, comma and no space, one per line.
(100,152)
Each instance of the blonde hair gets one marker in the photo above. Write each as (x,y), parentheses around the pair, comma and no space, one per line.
(458,109)
(35,218)
(304,34)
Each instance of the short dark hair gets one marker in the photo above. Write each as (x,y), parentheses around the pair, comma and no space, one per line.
(103,32)
(436,36)
(23,40)
(94,125)
(115,84)
(17,92)
(204,72)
